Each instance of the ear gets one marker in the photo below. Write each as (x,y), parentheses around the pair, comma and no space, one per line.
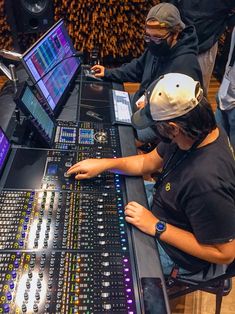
(175,129)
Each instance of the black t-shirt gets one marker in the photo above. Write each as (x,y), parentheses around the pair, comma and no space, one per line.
(198,196)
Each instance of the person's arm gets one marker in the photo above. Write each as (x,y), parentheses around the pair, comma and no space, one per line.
(134,165)
(129,72)
(144,220)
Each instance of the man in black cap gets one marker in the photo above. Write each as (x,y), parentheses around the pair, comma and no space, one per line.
(171,47)
(193,213)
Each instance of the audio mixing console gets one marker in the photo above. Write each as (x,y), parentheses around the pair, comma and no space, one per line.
(99,136)
(64,252)
(64,244)
(65,247)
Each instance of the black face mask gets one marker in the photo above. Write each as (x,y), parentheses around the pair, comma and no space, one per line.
(163,138)
(158,50)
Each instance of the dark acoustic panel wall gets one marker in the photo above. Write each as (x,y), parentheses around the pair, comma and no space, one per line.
(115,28)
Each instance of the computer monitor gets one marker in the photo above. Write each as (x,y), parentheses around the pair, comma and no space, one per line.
(43,124)
(4,149)
(52,64)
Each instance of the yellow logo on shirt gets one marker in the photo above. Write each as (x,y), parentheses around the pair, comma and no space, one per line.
(168,186)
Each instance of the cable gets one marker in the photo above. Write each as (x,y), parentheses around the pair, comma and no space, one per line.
(74,55)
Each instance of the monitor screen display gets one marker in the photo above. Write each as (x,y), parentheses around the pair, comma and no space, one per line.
(51,64)
(41,117)
(4,148)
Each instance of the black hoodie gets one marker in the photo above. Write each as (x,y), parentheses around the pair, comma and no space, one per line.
(209,18)
(147,68)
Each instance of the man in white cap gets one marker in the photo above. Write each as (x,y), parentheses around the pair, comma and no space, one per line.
(193,212)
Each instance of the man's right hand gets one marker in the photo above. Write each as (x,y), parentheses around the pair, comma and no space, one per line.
(99,70)
(88,168)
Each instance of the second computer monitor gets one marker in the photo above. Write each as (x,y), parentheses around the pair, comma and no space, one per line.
(52,64)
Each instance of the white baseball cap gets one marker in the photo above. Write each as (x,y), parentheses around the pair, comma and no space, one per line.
(169,97)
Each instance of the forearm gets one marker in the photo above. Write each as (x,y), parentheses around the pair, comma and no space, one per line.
(137,165)
(186,242)
(132,166)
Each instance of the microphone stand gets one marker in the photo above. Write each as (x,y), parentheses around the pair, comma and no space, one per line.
(12,76)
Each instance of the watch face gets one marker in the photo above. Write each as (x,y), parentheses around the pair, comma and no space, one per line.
(160,226)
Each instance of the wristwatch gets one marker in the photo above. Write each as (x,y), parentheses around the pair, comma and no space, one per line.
(160,227)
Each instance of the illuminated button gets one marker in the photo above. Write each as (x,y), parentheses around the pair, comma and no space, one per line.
(21,243)
(105,264)
(105,295)
(9,296)
(16,264)
(13,274)
(105,254)
(106,273)
(107,306)
(6,308)
(11,285)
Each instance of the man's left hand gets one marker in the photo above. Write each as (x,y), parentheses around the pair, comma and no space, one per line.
(140,217)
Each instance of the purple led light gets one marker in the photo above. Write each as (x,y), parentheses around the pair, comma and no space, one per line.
(4,148)
(129,301)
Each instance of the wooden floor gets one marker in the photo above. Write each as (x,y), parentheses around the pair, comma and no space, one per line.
(197,302)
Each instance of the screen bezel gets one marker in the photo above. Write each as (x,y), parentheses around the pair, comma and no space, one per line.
(27,113)
(7,154)
(65,94)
